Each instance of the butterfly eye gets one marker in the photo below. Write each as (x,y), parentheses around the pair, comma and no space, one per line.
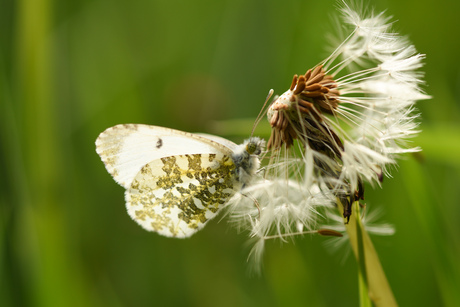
(251,147)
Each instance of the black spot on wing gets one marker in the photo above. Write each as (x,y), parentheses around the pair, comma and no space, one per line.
(159,143)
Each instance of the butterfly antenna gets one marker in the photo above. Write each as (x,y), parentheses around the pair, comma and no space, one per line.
(262,112)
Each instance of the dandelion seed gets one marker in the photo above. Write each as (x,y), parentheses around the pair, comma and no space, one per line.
(369,219)
(285,209)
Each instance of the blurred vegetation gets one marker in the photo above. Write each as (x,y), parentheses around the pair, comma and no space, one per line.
(70,69)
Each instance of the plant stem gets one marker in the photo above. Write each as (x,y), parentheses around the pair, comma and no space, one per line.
(371,272)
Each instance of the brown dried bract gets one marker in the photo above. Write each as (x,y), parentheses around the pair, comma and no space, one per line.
(348,200)
(317,88)
(298,112)
(329,233)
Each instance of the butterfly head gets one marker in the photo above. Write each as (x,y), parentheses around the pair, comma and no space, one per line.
(254,145)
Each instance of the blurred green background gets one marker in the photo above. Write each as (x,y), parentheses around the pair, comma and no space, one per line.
(70,69)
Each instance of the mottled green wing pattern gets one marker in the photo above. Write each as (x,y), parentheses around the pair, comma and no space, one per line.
(175,196)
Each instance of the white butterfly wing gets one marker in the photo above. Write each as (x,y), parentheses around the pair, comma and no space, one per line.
(176,196)
(125,149)
(227,143)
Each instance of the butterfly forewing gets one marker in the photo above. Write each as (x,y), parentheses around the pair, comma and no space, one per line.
(125,149)
(175,196)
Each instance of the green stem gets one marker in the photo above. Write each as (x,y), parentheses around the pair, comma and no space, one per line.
(364,300)
(375,286)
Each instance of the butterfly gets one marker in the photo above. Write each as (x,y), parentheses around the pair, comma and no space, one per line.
(176,181)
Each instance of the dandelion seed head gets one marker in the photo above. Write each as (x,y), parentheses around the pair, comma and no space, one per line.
(357,106)
(341,124)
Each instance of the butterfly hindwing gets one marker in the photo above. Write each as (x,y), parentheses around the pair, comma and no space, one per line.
(175,196)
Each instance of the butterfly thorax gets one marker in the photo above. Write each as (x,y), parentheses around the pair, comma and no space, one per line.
(246,159)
